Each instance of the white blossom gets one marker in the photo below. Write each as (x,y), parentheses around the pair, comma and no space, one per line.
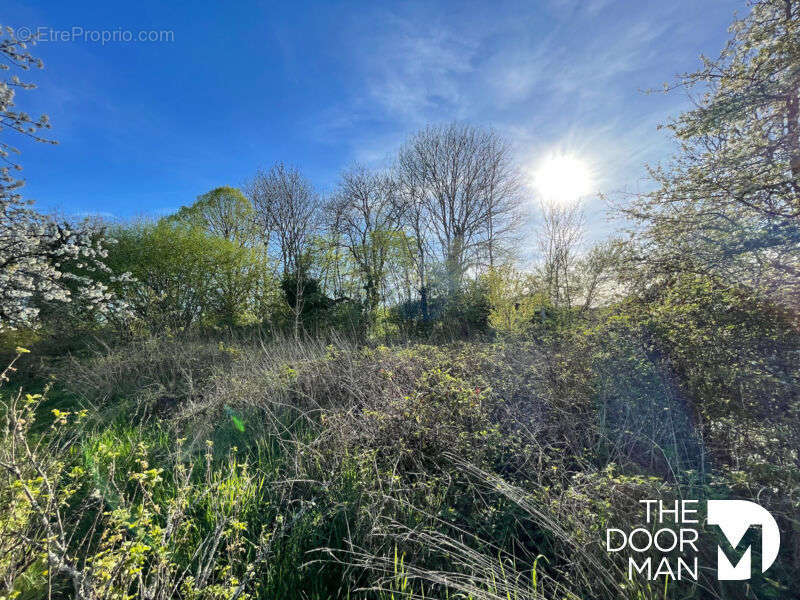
(37,252)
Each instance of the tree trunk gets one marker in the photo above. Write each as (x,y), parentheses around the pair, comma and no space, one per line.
(423,301)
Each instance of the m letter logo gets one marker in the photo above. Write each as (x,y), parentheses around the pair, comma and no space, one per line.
(735,517)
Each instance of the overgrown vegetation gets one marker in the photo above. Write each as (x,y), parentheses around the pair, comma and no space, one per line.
(270,394)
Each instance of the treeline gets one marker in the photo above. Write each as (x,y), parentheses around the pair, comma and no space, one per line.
(429,244)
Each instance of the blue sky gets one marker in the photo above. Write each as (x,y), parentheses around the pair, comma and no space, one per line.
(144,128)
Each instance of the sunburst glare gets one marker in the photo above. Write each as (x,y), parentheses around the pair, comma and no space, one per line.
(563,178)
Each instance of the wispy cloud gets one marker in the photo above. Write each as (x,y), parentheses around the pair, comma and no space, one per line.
(536,77)
(566,76)
(572,8)
(351,82)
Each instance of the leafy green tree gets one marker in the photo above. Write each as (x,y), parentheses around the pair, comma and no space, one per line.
(730,202)
(223,212)
(183,276)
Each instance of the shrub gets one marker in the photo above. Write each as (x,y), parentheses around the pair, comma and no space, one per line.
(514,304)
(183,276)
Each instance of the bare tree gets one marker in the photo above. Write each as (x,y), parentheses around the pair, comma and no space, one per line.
(461,190)
(416,222)
(503,204)
(560,239)
(364,214)
(287,209)
(598,273)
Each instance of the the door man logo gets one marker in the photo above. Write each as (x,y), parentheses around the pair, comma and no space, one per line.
(672,527)
(734,518)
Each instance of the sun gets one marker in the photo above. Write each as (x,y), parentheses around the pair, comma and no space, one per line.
(563,178)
